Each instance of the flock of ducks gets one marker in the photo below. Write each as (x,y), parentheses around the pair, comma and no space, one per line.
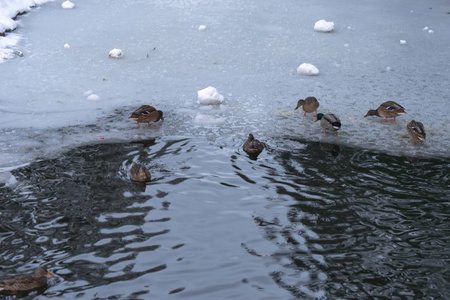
(148,114)
(253,147)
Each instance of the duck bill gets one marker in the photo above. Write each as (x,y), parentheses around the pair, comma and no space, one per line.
(50,274)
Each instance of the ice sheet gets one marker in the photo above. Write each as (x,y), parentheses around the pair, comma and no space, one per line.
(250,53)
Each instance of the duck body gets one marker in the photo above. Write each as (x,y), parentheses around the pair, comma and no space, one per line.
(388,109)
(310,104)
(417,131)
(329,122)
(139,173)
(146,114)
(252,145)
(25,282)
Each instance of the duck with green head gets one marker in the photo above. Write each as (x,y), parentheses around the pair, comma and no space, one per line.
(329,122)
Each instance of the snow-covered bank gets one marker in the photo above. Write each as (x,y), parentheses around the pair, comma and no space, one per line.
(9,10)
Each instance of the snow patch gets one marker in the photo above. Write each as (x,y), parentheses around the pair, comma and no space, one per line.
(323,26)
(93,97)
(209,96)
(66,46)
(67,5)
(115,53)
(202,27)
(307,69)
(8,179)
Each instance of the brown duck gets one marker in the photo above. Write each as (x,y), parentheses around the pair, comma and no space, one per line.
(388,109)
(417,131)
(310,104)
(146,114)
(25,282)
(252,145)
(139,173)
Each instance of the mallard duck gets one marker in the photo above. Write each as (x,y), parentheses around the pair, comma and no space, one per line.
(329,121)
(388,109)
(417,131)
(252,146)
(310,104)
(139,173)
(25,282)
(146,113)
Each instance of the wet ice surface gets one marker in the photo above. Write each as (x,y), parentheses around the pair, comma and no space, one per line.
(250,53)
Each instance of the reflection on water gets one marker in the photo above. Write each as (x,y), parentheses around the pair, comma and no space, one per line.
(213,223)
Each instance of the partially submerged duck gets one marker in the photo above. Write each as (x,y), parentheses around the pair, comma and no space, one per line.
(252,145)
(146,114)
(310,104)
(329,122)
(388,109)
(139,173)
(25,282)
(417,131)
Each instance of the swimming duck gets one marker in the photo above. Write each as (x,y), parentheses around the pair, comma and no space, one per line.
(329,121)
(146,113)
(310,104)
(25,282)
(388,109)
(252,145)
(417,131)
(139,173)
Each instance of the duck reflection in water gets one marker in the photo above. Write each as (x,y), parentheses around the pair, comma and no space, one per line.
(327,146)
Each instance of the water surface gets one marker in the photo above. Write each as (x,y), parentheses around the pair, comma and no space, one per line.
(307,220)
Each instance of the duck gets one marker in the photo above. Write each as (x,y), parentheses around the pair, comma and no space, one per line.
(139,173)
(252,145)
(388,109)
(417,131)
(146,113)
(309,104)
(329,122)
(25,282)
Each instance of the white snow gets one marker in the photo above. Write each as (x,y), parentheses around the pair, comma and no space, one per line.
(93,97)
(67,5)
(115,53)
(402,42)
(202,27)
(209,96)
(430,31)
(8,179)
(66,46)
(307,69)
(8,11)
(323,26)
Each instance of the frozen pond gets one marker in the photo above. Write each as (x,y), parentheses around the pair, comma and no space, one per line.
(362,213)
(249,51)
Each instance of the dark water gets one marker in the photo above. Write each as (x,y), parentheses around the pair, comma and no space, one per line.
(313,221)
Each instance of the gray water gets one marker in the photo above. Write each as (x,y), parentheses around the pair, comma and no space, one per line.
(358,215)
(320,220)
